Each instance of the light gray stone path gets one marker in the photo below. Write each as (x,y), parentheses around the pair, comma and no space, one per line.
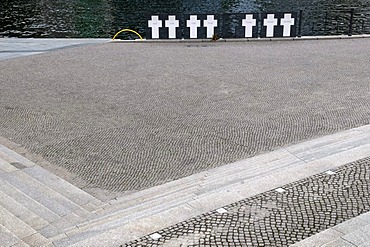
(14,47)
(28,218)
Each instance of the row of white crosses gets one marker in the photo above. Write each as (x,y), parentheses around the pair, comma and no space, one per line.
(210,23)
(270,22)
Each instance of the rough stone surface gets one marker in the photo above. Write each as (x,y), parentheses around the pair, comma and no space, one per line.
(307,207)
(124,117)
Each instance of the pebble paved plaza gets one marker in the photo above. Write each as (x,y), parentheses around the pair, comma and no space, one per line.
(130,116)
(187,144)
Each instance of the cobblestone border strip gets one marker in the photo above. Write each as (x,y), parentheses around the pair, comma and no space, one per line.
(278,217)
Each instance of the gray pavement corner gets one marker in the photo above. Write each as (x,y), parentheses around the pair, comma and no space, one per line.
(16,47)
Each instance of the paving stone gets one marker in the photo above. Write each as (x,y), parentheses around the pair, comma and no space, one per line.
(15,225)
(339,243)
(64,188)
(22,212)
(28,202)
(359,237)
(6,166)
(36,240)
(355,223)
(38,194)
(7,238)
(12,156)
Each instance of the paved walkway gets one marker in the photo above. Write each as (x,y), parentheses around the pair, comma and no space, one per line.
(68,113)
(13,47)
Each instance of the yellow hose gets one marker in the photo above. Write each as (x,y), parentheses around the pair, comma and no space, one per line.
(127,30)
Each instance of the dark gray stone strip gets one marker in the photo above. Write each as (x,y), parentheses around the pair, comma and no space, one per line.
(279,217)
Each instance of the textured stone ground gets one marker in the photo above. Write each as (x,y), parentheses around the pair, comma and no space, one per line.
(276,218)
(125,117)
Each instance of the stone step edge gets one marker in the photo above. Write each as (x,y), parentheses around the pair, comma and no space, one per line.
(162,219)
(223,196)
(62,186)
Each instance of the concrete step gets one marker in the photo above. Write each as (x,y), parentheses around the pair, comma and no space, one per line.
(16,226)
(37,240)
(163,202)
(248,169)
(36,194)
(123,210)
(22,212)
(118,219)
(11,161)
(12,157)
(162,192)
(6,166)
(7,238)
(28,202)
(39,192)
(64,188)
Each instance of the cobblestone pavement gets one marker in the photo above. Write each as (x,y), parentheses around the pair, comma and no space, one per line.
(279,217)
(124,117)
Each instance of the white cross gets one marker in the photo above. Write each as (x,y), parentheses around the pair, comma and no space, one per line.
(193,24)
(210,24)
(248,23)
(155,24)
(172,24)
(270,22)
(287,22)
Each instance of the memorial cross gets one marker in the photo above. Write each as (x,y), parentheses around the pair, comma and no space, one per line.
(248,23)
(210,23)
(270,23)
(155,24)
(193,24)
(172,24)
(287,22)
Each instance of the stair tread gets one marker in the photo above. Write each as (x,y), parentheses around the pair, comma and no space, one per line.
(7,238)
(15,225)
(39,194)
(6,166)
(11,156)
(28,202)
(37,240)
(109,222)
(64,188)
(22,212)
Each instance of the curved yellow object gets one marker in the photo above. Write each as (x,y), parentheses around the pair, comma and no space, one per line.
(127,30)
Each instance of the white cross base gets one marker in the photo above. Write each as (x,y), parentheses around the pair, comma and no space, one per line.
(172,24)
(248,23)
(193,24)
(155,24)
